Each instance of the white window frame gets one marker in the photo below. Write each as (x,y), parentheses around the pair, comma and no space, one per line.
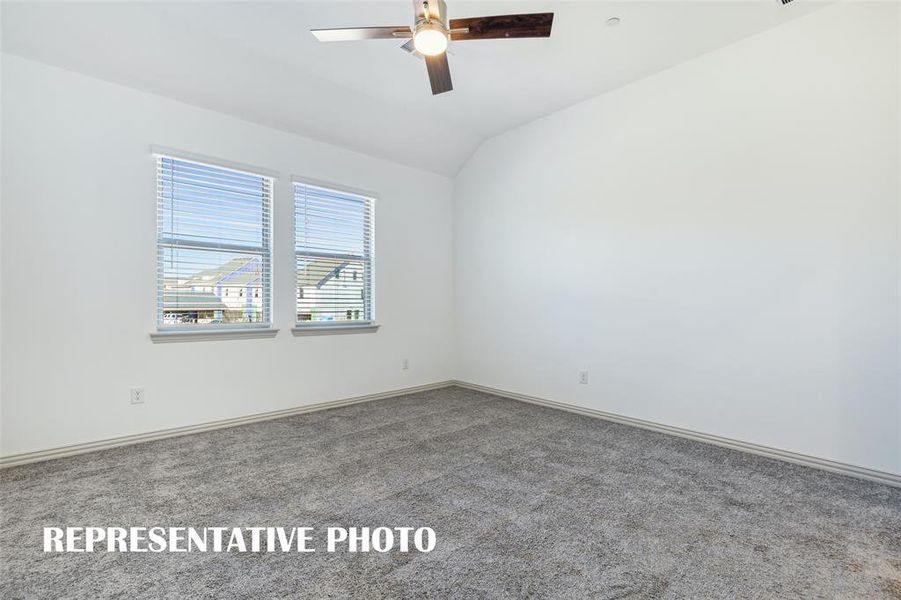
(209,331)
(369,325)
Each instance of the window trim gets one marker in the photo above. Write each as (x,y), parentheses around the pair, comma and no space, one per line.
(328,328)
(214,161)
(204,335)
(222,330)
(369,325)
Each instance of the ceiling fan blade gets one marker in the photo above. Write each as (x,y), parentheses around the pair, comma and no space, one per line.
(439,73)
(351,34)
(410,47)
(503,26)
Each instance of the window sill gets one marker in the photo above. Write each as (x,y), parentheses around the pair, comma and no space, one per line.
(300,330)
(206,335)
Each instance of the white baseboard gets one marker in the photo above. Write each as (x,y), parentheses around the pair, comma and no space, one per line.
(64,451)
(766,451)
(784,455)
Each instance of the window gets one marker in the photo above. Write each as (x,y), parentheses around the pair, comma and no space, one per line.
(213,234)
(333,250)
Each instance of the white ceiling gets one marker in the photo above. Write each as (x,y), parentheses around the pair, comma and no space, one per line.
(257,60)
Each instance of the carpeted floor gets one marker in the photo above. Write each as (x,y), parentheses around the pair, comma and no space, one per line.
(525,501)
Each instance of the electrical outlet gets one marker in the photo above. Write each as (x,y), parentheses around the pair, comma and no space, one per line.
(137,395)
(583,377)
(405,365)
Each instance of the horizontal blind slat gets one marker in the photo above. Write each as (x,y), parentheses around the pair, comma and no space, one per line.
(213,245)
(333,254)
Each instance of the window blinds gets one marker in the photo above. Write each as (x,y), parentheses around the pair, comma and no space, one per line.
(333,251)
(213,246)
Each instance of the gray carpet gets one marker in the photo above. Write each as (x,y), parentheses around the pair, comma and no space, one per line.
(526,502)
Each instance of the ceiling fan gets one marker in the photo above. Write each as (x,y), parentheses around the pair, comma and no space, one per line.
(432,30)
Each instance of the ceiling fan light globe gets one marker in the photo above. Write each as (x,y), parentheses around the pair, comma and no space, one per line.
(430,41)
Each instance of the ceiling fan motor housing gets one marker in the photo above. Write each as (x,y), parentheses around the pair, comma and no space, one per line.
(430,26)
(431,11)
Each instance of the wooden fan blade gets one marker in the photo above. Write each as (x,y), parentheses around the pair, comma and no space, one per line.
(439,73)
(503,26)
(352,34)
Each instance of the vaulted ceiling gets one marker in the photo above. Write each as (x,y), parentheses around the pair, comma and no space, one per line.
(258,61)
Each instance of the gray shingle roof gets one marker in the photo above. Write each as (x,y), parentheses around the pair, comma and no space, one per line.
(190,300)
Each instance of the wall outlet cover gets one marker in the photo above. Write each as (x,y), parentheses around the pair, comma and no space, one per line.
(137,395)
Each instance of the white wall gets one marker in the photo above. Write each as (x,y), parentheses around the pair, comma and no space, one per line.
(718,244)
(78,251)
